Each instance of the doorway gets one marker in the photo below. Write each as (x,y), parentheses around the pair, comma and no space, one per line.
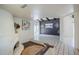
(68,30)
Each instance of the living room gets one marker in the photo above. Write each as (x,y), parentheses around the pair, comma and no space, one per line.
(50,28)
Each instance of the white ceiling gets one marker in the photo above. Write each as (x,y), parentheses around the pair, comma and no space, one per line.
(38,10)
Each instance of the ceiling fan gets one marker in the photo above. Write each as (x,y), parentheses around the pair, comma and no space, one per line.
(24,6)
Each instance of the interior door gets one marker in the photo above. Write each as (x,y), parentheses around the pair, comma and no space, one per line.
(68,30)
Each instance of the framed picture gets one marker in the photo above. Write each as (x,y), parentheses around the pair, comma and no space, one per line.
(50,27)
(25,24)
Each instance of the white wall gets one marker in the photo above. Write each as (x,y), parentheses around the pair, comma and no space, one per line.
(36,30)
(76,13)
(7,39)
(24,35)
(27,35)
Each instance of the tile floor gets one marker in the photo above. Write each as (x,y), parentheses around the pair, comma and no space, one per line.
(59,47)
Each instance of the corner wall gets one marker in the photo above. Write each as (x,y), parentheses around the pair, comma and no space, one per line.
(24,35)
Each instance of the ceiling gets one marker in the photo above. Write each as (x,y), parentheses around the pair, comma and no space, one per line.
(38,10)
